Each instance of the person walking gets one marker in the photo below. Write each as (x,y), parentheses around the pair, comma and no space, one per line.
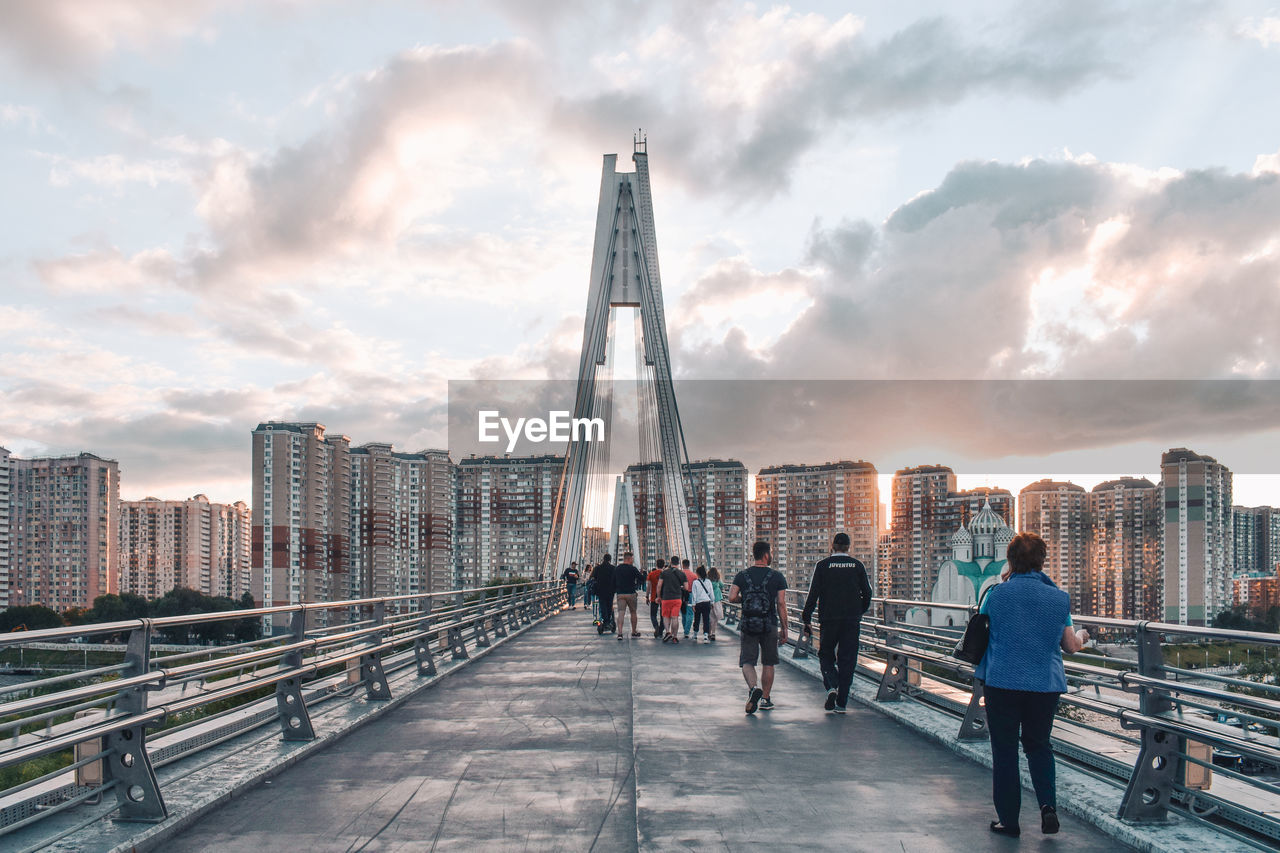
(717,599)
(653,597)
(627,579)
(686,613)
(1023,676)
(570,578)
(841,593)
(763,625)
(604,587)
(702,598)
(672,583)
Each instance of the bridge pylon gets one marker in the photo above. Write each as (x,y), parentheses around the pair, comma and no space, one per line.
(625,274)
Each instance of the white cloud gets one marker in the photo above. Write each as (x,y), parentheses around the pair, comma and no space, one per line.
(1265,31)
(113,170)
(109,270)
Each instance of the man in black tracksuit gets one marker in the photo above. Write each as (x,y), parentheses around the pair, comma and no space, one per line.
(841,593)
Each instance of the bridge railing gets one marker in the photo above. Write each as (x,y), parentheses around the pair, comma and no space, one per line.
(1168,736)
(69,738)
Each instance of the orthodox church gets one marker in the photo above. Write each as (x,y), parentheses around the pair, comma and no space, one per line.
(977,559)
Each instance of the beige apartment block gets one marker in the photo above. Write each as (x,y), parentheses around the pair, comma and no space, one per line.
(505,507)
(799,508)
(63,530)
(1059,513)
(301,480)
(402,521)
(1124,549)
(193,543)
(1198,536)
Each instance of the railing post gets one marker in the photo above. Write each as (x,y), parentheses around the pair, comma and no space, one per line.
(1146,798)
(482,635)
(895,664)
(457,645)
(375,680)
(128,764)
(295,720)
(499,629)
(974,724)
(422,645)
(513,622)
(803,646)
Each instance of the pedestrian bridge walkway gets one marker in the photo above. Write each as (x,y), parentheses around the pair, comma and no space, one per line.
(564,740)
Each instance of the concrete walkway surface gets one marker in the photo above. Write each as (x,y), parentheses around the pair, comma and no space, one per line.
(564,740)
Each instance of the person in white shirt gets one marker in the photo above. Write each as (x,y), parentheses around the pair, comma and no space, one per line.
(702,597)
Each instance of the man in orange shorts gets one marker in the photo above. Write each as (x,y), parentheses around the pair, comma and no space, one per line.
(672,586)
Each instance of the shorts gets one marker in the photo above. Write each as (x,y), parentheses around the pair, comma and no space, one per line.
(764,646)
(671,608)
(626,602)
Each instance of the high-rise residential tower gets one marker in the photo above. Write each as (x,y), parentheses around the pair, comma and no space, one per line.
(1198,536)
(505,509)
(194,543)
(649,540)
(63,530)
(799,508)
(1059,513)
(6,552)
(1256,539)
(402,521)
(720,489)
(301,513)
(1125,519)
(923,522)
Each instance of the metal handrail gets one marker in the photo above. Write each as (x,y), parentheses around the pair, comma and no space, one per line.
(303,666)
(908,661)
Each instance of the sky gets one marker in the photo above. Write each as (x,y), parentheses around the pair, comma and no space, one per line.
(223,212)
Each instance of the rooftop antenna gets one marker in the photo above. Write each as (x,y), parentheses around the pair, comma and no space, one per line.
(640,141)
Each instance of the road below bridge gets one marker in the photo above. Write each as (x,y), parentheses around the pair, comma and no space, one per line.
(563,740)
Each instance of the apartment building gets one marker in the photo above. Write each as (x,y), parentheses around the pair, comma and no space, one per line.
(505,508)
(1197,555)
(301,480)
(799,508)
(402,521)
(193,543)
(63,530)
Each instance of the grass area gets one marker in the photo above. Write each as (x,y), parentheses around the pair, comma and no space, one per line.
(1193,655)
(60,658)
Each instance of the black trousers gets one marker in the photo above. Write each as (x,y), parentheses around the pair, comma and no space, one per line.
(702,615)
(606,607)
(1007,711)
(838,656)
(655,616)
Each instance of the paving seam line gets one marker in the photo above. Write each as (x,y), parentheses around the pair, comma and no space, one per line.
(153,837)
(1137,837)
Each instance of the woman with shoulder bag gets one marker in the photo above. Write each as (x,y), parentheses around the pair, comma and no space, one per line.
(1023,676)
(702,598)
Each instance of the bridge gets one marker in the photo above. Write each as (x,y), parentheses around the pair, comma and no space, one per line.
(452,721)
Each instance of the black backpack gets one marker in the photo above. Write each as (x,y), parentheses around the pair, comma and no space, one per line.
(757,609)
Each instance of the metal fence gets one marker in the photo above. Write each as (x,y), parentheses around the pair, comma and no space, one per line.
(1168,737)
(76,736)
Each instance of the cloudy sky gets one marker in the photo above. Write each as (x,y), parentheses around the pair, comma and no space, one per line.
(224,212)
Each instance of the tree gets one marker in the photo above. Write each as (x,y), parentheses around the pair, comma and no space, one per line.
(29,617)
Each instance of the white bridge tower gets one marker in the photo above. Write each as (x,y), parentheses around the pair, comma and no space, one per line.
(624,274)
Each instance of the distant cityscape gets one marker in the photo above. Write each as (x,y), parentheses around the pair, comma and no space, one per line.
(328,521)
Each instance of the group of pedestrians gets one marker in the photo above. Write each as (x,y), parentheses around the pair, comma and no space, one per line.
(681,600)
(1021,673)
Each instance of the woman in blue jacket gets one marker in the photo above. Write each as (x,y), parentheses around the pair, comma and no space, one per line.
(1023,677)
